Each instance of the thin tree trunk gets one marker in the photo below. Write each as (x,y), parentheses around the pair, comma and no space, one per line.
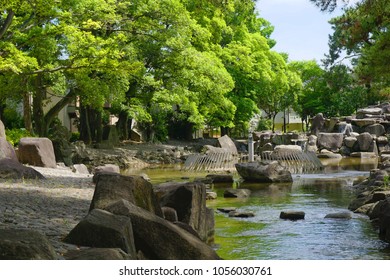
(38,115)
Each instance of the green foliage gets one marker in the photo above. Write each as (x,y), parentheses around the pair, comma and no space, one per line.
(15,134)
(264,124)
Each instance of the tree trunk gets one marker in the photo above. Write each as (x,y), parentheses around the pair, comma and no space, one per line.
(99,126)
(27,112)
(38,115)
(273,122)
(85,130)
(123,125)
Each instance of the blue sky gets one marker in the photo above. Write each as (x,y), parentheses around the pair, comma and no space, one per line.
(301,29)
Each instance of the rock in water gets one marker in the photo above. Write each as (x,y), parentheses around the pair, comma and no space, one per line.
(264,172)
(292,215)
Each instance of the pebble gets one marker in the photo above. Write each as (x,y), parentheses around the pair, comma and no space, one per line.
(53,206)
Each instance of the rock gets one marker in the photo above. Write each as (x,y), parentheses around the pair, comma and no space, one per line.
(350,141)
(10,169)
(239,214)
(379,195)
(160,239)
(339,215)
(384,220)
(328,154)
(108,168)
(37,152)
(236,193)
(111,187)
(287,149)
(211,149)
(97,254)
(226,143)
(330,141)
(169,214)
(227,209)
(211,195)
(189,201)
(365,140)
(2,130)
(110,135)
(263,172)
(24,244)
(80,169)
(363,155)
(6,150)
(363,122)
(369,111)
(344,128)
(366,209)
(375,129)
(359,202)
(103,229)
(292,215)
(220,178)
(317,124)
(135,136)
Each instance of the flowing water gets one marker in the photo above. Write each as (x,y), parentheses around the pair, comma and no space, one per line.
(266,236)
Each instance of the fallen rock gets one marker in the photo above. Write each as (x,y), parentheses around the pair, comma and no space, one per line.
(264,172)
(37,152)
(10,169)
(160,239)
(103,229)
(292,215)
(24,244)
(111,187)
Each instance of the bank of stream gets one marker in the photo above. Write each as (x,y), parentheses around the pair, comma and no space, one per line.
(266,236)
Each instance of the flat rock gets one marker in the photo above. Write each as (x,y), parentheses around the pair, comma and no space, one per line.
(236,193)
(292,215)
(220,178)
(240,214)
(227,209)
(264,172)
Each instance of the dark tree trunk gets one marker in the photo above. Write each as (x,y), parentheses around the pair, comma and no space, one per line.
(123,125)
(40,126)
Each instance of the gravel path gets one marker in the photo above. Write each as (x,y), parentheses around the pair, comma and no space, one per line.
(52,206)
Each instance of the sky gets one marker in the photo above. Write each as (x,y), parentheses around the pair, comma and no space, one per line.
(301,29)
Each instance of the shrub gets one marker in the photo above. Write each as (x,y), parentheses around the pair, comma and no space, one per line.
(14,135)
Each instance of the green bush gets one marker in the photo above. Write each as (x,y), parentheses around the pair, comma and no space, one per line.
(14,135)
(264,124)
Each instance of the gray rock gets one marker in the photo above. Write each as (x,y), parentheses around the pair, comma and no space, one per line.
(111,187)
(263,172)
(2,130)
(365,140)
(113,168)
(6,150)
(160,239)
(226,143)
(375,129)
(37,152)
(189,201)
(80,169)
(292,215)
(350,141)
(211,195)
(363,122)
(23,244)
(240,214)
(236,193)
(103,229)
(169,214)
(330,141)
(318,123)
(11,169)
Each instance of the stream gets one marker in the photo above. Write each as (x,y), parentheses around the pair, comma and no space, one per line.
(267,237)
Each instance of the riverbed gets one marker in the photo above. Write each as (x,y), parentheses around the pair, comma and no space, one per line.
(268,237)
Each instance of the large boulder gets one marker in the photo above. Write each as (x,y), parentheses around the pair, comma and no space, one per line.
(365,141)
(102,229)
(23,244)
(2,130)
(37,152)
(189,201)
(330,141)
(6,150)
(317,124)
(375,129)
(226,143)
(111,187)
(263,172)
(11,169)
(158,238)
